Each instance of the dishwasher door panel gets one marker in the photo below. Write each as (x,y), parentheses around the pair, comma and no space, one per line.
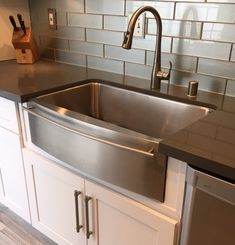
(212,221)
(209,211)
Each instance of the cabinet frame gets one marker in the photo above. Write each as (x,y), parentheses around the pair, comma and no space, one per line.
(12,173)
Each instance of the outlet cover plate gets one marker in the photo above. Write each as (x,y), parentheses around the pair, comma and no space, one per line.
(140,26)
(52,18)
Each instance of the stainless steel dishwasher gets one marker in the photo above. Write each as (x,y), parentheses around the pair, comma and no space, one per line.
(209,210)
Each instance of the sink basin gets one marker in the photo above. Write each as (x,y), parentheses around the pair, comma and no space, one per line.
(152,116)
(110,133)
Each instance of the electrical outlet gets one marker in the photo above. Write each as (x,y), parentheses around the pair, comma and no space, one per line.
(140,26)
(52,20)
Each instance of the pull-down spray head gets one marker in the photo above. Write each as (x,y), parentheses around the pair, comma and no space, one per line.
(157,74)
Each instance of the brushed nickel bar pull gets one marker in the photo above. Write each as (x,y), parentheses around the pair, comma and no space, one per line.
(78,226)
(88,232)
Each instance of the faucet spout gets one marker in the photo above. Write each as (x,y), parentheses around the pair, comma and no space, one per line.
(157,75)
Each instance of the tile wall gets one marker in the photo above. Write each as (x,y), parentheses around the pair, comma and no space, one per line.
(198,37)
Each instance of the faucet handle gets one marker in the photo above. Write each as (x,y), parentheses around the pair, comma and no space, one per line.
(165,75)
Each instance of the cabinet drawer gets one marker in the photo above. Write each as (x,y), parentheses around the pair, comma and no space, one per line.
(8,115)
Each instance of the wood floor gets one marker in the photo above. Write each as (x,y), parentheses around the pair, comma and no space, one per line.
(15,231)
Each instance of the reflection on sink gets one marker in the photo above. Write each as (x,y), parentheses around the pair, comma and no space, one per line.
(152,116)
(109,133)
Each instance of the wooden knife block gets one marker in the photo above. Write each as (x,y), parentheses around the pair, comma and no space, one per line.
(25,47)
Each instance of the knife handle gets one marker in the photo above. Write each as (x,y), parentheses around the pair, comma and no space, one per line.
(19,16)
(22,25)
(12,20)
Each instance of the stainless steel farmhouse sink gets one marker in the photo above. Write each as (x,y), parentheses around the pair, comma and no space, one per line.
(110,132)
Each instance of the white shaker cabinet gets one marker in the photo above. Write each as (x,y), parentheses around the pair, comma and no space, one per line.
(52,201)
(119,220)
(13,191)
(109,217)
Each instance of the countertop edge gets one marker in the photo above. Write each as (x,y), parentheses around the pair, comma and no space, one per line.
(202,164)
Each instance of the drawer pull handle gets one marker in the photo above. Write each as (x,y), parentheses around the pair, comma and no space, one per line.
(78,226)
(88,232)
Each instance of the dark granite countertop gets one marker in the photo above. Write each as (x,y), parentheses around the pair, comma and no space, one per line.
(208,144)
(21,82)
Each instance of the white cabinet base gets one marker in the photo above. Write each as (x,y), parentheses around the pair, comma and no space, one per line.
(52,201)
(120,220)
(113,218)
(13,186)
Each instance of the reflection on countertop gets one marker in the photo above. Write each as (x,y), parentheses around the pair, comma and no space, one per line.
(208,144)
(19,81)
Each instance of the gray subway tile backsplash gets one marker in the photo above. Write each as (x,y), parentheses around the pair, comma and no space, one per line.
(165,9)
(230,89)
(105,7)
(58,43)
(87,48)
(219,32)
(85,20)
(149,43)
(210,49)
(69,32)
(70,58)
(136,70)
(48,53)
(105,64)
(131,55)
(67,5)
(222,1)
(180,62)
(175,28)
(54,43)
(43,42)
(198,37)
(115,23)
(106,37)
(61,18)
(217,68)
(205,12)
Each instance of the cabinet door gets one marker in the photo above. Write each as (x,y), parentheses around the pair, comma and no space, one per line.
(118,220)
(13,194)
(52,200)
